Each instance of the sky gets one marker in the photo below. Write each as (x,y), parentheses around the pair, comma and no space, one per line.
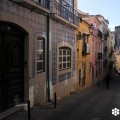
(110,9)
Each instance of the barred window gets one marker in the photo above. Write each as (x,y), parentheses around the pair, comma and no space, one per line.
(64,58)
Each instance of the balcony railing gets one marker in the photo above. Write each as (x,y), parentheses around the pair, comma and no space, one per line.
(42,6)
(64,10)
(100,34)
(43,3)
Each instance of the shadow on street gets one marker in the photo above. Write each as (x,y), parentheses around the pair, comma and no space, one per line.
(94,103)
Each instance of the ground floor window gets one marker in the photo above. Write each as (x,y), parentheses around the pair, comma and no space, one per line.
(64,58)
(40,59)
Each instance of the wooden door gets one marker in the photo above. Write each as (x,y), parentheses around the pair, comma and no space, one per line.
(1,77)
(79,77)
(11,70)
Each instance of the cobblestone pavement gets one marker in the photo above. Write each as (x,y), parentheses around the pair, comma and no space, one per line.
(95,103)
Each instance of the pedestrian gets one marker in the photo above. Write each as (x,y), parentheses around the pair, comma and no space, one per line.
(108,78)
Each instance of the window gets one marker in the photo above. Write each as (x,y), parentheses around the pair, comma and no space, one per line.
(118,36)
(71,5)
(85,43)
(40,59)
(58,1)
(64,58)
(95,24)
(71,2)
(96,73)
(88,48)
(111,37)
(92,46)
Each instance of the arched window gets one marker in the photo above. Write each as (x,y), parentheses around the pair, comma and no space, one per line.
(64,58)
(40,59)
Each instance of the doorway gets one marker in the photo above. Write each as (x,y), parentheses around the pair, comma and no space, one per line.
(11,66)
(79,77)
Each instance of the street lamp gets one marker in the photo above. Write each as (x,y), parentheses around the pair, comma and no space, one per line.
(91,28)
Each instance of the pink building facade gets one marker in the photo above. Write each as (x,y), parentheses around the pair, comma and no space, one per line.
(97,49)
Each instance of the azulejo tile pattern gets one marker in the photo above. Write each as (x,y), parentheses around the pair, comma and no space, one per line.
(61,33)
(36,21)
(33,19)
(64,76)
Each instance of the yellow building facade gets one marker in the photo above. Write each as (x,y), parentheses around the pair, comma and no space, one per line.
(84,56)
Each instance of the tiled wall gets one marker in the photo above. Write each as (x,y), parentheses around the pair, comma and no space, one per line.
(39,24)
(62,33)
(64,76)
(36,21)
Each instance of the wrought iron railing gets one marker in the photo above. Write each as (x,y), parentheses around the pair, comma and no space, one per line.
(43,3)
(100,34)
(105,36)
(64,10)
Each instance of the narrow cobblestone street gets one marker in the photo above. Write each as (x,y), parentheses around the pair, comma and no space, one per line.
(94,103)
(54,56)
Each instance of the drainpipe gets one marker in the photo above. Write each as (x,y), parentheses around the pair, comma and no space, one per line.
(48,38)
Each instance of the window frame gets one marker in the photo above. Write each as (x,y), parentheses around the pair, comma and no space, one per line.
(111,37)
(66,58)
(42,49)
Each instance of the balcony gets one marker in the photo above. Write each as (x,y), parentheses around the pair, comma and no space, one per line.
(105,36)
(44,3)
(41,6)
(64,13)
(100,34)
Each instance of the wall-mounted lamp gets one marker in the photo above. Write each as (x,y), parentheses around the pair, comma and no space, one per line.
(91,28)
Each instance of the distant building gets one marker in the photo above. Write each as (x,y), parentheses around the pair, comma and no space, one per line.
(99,46)
(112,39)
(111,49)
(105,37)
(117,37)
(84,54)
